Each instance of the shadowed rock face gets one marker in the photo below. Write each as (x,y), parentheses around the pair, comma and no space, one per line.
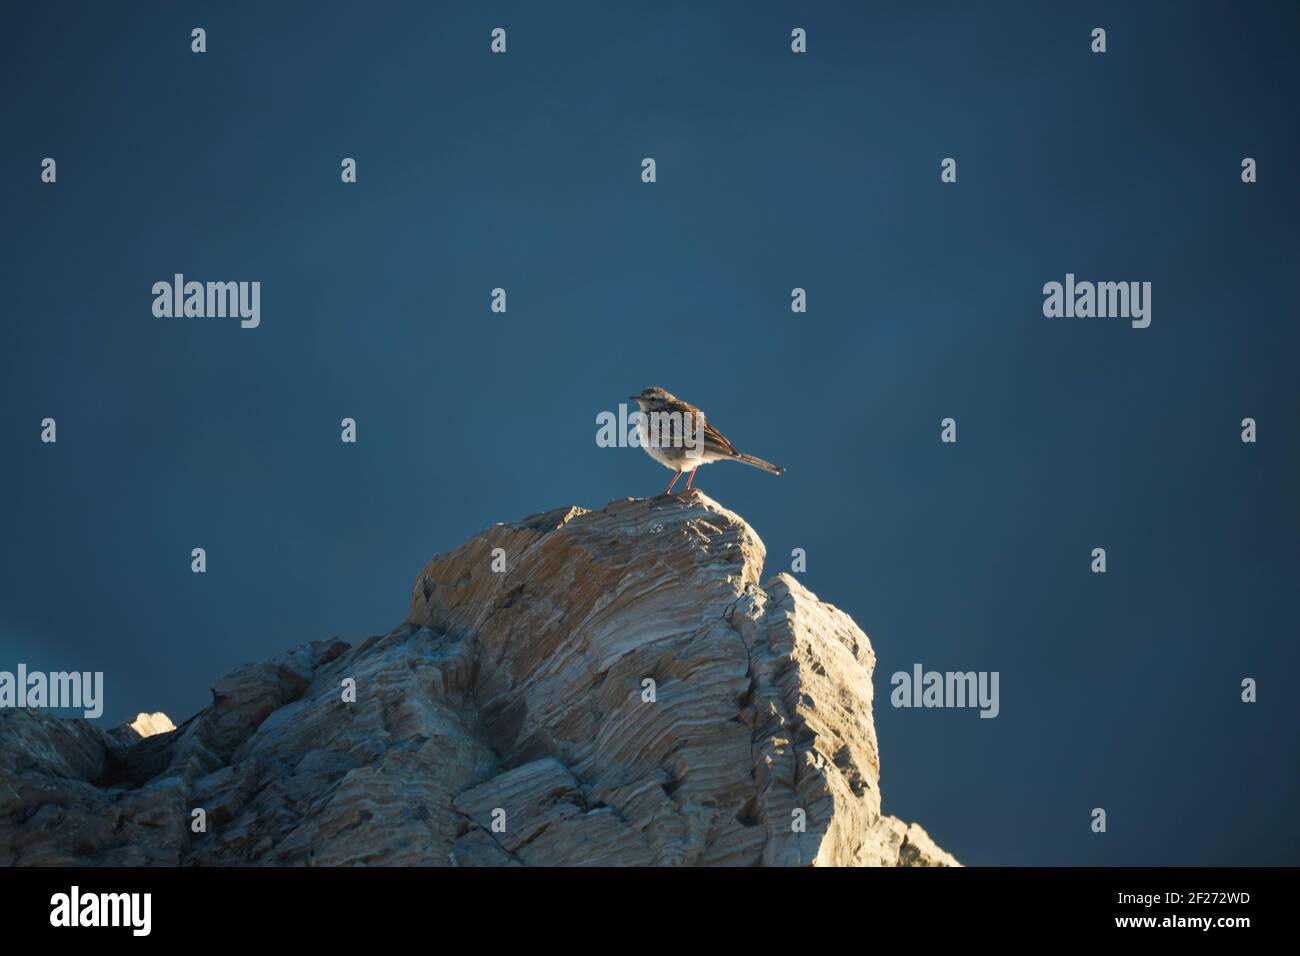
(624,692)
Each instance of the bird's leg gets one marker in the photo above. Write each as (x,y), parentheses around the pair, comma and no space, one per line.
(669,489)
(691,478)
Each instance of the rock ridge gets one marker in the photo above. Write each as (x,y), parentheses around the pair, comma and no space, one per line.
(610,687)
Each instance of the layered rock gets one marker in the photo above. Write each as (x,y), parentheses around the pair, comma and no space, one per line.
(601,688)
(146,725)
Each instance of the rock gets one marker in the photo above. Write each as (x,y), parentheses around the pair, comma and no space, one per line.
(147,725)
(624,692)
(144,725)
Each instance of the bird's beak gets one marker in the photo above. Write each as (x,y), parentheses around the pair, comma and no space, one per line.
(632,398)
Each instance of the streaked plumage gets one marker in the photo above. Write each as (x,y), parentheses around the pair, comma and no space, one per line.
(677,451)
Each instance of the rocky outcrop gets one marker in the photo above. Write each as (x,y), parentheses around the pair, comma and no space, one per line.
(609,687)
(146,725)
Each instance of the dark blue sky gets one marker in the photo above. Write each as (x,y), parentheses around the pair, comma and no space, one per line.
(774,171)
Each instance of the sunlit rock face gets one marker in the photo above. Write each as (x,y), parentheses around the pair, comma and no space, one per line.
(146,725)
(579,688)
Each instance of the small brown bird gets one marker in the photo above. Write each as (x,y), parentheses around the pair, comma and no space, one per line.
(675,434)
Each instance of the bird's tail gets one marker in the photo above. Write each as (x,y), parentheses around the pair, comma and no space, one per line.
(759,463)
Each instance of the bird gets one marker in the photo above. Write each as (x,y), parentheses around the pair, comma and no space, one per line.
(676,434)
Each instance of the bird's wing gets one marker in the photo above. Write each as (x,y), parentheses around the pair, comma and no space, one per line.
(716,443)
